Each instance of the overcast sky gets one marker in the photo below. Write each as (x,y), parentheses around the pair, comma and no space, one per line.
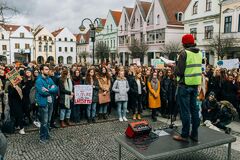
(55,14)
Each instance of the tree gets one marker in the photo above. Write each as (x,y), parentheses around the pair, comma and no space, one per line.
(221,45)
(171,50)
(102,51)
(83,55)
(6,12)
(138,49)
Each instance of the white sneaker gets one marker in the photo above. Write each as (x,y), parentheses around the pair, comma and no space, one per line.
(120,119)
(37,124)
(22,131)
(125,119)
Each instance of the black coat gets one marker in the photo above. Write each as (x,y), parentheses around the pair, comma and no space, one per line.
(27,86)
(63,92)
(15,102)
(229,92)
(168,89)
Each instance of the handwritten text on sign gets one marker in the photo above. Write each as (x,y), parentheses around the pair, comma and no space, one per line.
(83,94)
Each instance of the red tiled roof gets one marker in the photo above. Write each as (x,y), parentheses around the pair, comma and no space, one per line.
(144,8)
(55,33)
(86,36)
(103,22)
(12,27)
(172,7)
(129,12)
(116,16)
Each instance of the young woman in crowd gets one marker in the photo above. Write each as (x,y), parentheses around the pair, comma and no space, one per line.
(154,95)
(91,108)
(15,100)
(136,88)
(28,83)
(66,94)
(77,80)
(104,92)
(121,87)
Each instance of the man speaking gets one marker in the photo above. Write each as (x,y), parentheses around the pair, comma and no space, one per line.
(189,71)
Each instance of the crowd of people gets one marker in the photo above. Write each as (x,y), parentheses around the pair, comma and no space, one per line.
(129,90)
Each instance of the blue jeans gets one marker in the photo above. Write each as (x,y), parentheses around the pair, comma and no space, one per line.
(122,108)
(91,108)
(103,108)
(65,113)
(45,114)
(189,111)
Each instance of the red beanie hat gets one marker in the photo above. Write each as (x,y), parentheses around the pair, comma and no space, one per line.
(188,39)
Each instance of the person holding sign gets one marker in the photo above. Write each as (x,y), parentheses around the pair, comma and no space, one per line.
(121,87)
(91,108)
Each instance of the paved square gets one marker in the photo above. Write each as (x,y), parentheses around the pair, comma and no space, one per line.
(89,142)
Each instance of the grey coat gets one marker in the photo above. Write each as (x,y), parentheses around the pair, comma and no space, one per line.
(121,87)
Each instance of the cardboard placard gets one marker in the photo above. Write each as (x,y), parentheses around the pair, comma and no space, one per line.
(83,94)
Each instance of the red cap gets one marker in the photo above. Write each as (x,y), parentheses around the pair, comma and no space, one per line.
(188,39)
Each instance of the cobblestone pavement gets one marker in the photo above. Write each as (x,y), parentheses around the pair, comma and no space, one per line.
(90,142)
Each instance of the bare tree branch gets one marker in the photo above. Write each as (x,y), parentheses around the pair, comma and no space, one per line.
(6,12)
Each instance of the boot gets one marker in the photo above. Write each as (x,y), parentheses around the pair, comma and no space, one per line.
(105,116)
(100,116)
(139,117)
(62,124)
(134,116)
(68,122)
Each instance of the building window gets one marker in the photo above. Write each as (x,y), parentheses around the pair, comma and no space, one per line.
(179,16)
(2,36)
(239,23)
(4,47)
(158,19)
(114,43)
(195,7)
(71,39)
(141,22)
(66,49)
(40,48)
(208,5)
(107,28)
(208,32)
(193,31)
(71,49)
(21,35)
(111,27)
(228,24)
(60,49)
(50,48)
(59,39)
(45,48)
(17,45)
(121,28)
(45,38)
(27,46)
(65,39)
(40,38)
(111,43)
(69,60)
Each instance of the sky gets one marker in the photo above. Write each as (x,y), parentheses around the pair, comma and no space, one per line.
(55,14)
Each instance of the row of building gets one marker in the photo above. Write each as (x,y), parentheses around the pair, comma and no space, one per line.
(162,23)
(158,24)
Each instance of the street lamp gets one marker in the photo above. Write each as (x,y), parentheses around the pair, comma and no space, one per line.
(220,26)
(95,26)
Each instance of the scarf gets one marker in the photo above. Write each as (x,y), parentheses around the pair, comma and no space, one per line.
(68,86)
(154,83)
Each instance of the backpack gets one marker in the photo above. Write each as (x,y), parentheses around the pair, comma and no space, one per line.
(8,127)
(32,95)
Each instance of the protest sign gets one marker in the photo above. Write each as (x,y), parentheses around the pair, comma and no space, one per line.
(83,94)
(14,77)
(228,64)
(157,63)
(137,61)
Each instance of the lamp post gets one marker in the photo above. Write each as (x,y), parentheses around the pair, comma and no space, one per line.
(220,27)
(95,26)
